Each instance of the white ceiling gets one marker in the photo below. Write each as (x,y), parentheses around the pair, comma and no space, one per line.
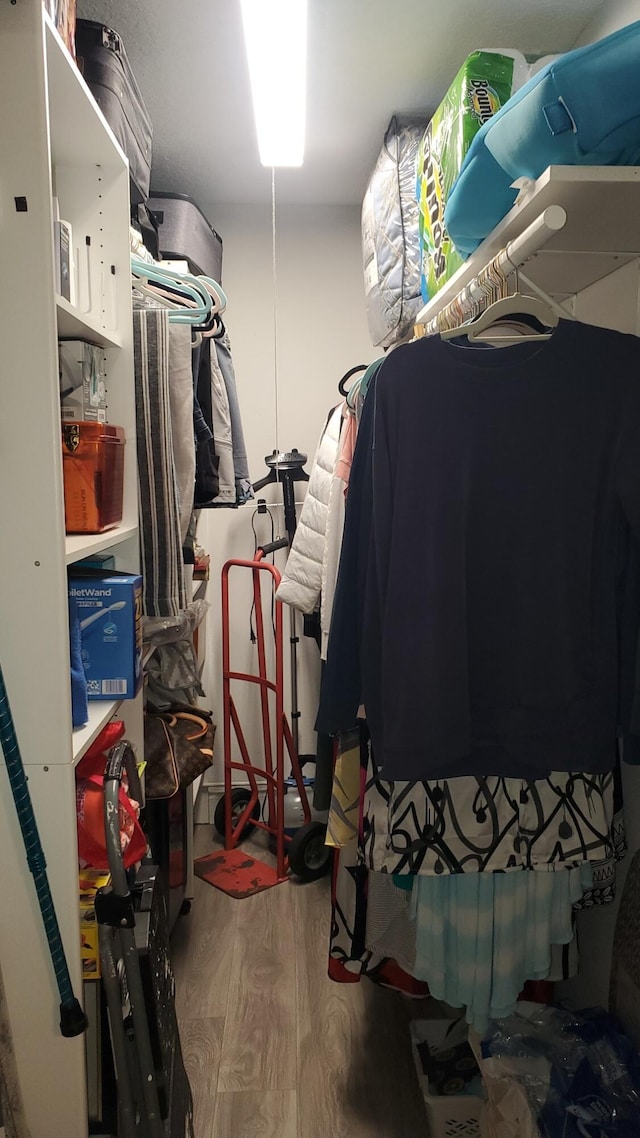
(367,59)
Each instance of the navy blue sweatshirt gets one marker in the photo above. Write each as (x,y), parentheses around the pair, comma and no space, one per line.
(483,585)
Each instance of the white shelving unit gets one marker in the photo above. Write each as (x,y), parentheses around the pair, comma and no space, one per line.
(55,142)
(72,325)
(79,545)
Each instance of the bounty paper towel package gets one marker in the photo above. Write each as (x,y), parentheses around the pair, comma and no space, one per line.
(486,80)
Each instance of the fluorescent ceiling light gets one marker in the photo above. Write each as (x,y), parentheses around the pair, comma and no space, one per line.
(276,37)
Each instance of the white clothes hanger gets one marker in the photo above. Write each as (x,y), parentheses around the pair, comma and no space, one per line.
(217,294)
(516,312)
(143,290)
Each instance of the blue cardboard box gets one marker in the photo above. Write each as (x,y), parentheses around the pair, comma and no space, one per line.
(110,613)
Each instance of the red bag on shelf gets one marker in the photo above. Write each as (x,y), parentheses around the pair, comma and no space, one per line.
(90,812)
(90,805)
(94,759)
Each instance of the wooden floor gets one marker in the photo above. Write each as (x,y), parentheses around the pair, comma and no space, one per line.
(274,1049)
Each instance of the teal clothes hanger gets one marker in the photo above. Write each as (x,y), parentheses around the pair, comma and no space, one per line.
(211,286)
(189,285)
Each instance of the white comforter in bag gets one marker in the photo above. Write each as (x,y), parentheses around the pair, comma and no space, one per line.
(390,235)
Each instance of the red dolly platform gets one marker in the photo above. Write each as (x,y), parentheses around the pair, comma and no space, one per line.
(304,852)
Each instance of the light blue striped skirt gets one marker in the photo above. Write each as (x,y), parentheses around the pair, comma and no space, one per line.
(480,936)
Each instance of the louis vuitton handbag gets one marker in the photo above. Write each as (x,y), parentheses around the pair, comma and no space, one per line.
(178,747)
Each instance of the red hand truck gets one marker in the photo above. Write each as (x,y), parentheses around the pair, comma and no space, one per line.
(303,853)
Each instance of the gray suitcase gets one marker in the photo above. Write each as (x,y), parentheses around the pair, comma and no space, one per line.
(103,61)
(184,234)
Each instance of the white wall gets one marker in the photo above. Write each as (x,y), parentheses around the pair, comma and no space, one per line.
(320,308)
(613,15)
(321,332)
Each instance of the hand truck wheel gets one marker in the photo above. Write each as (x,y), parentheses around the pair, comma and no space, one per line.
(309,857)
(240,796)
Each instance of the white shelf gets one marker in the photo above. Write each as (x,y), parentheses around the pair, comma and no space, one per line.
(74,325)
(79,545)
(56,144)
(602,231)
(100,712)
(79,132)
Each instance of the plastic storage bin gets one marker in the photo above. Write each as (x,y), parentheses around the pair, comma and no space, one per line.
(453,1116)
(449,1116)
(93,463)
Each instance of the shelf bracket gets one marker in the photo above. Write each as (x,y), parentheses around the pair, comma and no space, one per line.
(559,309)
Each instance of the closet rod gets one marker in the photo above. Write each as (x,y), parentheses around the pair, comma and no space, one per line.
(515,254)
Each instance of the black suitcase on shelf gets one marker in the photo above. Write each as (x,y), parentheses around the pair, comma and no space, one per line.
(186,235)
(102,59)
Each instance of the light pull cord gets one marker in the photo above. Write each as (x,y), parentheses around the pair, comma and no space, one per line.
(275,313)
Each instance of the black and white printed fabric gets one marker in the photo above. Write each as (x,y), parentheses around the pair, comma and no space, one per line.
(477,824)
(163,572)
(472,824)
(603,890)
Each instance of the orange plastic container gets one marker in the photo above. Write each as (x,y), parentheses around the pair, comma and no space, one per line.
(93,464)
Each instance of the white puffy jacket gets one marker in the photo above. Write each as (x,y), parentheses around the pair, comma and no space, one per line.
(305,574)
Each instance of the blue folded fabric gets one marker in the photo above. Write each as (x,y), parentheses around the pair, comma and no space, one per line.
(79,704)
(582,109)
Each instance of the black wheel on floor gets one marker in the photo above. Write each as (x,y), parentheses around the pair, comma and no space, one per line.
(309,857)
(185,908)
(240,796)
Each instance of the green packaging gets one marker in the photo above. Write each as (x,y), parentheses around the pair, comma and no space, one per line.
(483,84)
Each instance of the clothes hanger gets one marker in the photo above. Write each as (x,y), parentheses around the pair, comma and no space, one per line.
(170,278)
(171,298)
(152,274)
(215,290)
(141,291)
(215,331)
(212,326)
(182,309)
(360,386)
(347,376)
(353,393)
(519,311)
(529,311)
(177,283)
(217,293)
(207,283)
